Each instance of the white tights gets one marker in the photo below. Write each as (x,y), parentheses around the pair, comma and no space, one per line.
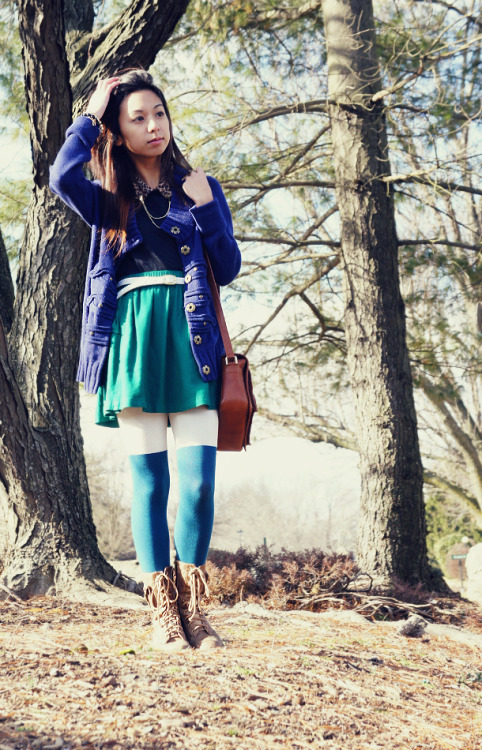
(146,432)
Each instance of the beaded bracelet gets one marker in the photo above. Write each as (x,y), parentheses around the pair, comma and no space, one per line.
(93,118)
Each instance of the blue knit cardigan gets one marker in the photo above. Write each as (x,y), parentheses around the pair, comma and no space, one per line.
(192,227)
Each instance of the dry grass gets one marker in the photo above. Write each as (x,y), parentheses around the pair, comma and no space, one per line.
(77,676)
(302,667)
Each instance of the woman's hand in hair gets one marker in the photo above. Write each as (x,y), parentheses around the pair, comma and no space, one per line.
(197,187)
(100,98)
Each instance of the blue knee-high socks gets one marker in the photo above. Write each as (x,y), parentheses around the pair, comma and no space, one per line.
(194,521)
(196,466)
(150,475)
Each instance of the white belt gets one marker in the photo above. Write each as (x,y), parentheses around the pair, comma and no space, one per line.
(132,282)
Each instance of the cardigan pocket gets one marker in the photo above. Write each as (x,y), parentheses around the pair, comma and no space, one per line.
(103,284)
(101,312)
(98,335)
(197,269)
(202,333)
(196,304)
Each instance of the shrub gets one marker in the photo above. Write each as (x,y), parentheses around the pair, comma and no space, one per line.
(276,578)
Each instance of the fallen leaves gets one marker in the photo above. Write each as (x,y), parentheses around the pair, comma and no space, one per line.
(285,679)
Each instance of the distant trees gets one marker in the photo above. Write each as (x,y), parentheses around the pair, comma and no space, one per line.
(111,513)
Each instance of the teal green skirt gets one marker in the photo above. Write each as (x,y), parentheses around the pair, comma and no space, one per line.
(150,362)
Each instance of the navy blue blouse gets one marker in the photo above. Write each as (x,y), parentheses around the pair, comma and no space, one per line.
(158,251)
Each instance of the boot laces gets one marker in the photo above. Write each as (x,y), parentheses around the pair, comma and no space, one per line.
(163,605)
(198,584)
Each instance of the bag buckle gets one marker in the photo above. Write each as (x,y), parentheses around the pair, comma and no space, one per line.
(233,360)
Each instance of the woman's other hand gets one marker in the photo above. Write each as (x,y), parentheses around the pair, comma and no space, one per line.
(100,98)
(197,187)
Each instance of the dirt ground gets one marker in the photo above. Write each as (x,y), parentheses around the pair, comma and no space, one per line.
(75,675)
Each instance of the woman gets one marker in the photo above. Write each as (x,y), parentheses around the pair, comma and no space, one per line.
(150,345)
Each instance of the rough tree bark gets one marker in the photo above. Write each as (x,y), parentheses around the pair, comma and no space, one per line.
(7,294)
(391,539)
(47,536)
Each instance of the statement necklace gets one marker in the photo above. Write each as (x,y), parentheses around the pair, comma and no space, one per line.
(151,217)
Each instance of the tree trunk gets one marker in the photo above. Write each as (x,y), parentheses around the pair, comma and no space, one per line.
(391,539)
(47,539)
(7,294)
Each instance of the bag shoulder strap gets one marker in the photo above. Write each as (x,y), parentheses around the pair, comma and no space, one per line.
(228,347)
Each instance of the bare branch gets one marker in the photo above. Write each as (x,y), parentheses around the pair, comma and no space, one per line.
(317,432)
(282,241)
(311,106)
(302,152)
(442,184)
(397,86)
(292,293)
(472,458)
(450,6)
(448,243)
(233,185)
(315,311)
(441,483)
(282,259)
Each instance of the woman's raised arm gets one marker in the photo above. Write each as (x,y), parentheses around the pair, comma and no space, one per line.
(67,179)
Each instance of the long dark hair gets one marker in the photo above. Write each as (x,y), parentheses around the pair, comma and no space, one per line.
(112,164)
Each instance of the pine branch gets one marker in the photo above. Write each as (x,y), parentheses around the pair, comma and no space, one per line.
(270,21)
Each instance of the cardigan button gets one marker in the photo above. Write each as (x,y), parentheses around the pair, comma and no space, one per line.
(191,307)
(187,278)
(175,230)
(197,339)
(206,369)
(100,304)
(185,249)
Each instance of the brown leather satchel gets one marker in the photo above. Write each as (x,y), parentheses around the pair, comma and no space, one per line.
(237,404)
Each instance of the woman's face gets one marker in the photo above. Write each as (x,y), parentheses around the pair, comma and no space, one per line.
(143,124)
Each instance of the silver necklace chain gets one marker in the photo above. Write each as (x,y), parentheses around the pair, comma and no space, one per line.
(151,217)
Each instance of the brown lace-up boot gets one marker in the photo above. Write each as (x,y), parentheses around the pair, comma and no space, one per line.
(192,583)
(162,598)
